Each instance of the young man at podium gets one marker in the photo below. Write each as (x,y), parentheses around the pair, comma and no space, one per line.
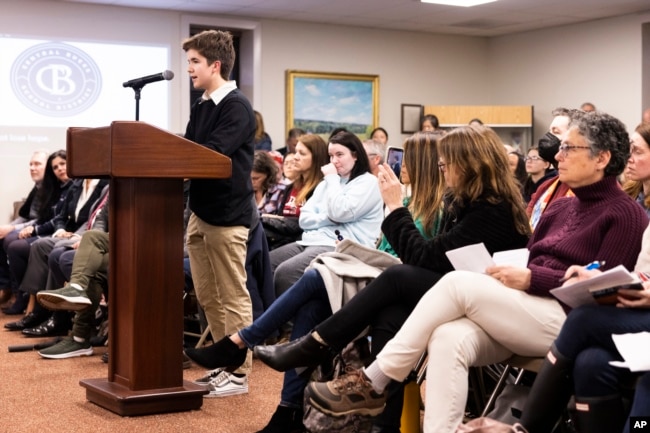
(222,120)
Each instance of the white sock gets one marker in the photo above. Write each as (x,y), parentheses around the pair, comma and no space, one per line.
(378,379)
(76,286)
(78,339)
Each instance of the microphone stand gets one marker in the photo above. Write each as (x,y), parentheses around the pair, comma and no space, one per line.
(137,101)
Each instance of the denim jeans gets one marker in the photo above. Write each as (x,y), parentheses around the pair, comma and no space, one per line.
(307,303)
(586,339)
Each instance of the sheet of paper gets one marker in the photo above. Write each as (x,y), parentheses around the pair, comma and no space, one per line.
(634,350)
(473,258)
(577,294)
(517,258)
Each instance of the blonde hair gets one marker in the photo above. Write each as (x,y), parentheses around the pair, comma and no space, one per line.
(427,183)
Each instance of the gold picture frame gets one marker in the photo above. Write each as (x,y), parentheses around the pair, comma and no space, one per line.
(319,102)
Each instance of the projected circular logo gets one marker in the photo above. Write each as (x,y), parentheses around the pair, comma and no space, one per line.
(56,79)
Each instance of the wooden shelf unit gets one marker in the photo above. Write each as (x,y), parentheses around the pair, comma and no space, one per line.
(513,123)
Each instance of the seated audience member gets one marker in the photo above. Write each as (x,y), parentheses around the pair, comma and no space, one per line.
(59,231)
(637,172)
(518,167)
(379,134)
(469,319)
(264,176)
(553,188)
(86,285)
(289,168)
(418,235)
(40,206)
(347,200)
(587,107)
(282,227)
(44,272)
(538,170)
(375,151)
(578,361)
(429,122)
(262,139)
(292,140)
(27,212)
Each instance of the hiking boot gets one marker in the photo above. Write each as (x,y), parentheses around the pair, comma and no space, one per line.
(68,298)
(349,393)
(67,348)
(226,384)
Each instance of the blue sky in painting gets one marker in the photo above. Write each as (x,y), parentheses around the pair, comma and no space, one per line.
(343,101)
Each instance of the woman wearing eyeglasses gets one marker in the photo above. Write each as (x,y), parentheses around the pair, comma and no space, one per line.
(469,319)
(539,171)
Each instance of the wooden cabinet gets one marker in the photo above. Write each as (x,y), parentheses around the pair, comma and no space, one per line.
(513,123)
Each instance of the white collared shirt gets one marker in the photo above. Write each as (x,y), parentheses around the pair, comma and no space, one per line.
(218,95)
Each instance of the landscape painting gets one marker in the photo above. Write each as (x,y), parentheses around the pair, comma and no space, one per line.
(320,102)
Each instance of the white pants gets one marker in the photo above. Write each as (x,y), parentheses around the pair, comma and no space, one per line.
(467,319)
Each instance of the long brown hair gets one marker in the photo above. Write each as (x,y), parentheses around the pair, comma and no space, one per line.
(634,187)
(307,180)
(427,183)
(480,162)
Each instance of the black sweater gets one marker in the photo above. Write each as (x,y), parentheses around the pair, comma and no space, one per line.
(480,221)
(228,128)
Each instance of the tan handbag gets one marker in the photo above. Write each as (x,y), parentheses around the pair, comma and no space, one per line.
(488,425)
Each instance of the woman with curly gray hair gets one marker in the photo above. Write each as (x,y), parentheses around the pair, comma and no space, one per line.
(470,319)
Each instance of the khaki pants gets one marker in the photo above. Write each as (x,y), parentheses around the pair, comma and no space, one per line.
(217,260)
(467,319)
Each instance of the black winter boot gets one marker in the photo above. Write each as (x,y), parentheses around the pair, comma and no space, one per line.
(549,395)
(600,415)
(306,351)
(224,353)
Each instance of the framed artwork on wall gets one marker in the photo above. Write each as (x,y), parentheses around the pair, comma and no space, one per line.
(411,115)
(319,102)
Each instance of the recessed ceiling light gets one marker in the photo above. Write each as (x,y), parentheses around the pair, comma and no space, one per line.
(463,3)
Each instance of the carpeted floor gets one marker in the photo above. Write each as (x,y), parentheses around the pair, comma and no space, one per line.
(42,395)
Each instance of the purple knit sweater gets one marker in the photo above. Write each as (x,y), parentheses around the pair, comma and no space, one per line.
(600,223)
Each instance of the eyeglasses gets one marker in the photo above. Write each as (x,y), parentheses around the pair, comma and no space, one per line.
(564,149)
(533,158)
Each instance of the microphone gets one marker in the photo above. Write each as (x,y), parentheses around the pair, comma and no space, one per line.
(140,82)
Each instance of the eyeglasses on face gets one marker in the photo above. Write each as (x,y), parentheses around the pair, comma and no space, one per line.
(533,158)
(565,148)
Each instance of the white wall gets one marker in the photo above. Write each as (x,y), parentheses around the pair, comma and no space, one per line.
(598,61)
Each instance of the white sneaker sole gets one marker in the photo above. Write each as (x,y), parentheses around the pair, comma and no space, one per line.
(76,353)
(227,393)
(57,302)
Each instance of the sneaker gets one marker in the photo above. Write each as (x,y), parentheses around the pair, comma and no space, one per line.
(226,384)
(67,298)
(349,393)
(209,377)
(67,348)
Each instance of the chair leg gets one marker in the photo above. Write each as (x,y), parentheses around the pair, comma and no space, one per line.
(501,383)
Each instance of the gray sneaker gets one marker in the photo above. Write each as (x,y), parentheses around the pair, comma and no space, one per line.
(67,348)
(209,377)
(226,384)
(349,393)
(68,298)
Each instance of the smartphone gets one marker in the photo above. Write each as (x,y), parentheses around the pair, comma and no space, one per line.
(394,157)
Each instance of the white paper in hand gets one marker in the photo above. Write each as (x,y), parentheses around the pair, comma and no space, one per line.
(634,350)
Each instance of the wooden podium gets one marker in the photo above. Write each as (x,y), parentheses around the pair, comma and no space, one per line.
(146,166)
